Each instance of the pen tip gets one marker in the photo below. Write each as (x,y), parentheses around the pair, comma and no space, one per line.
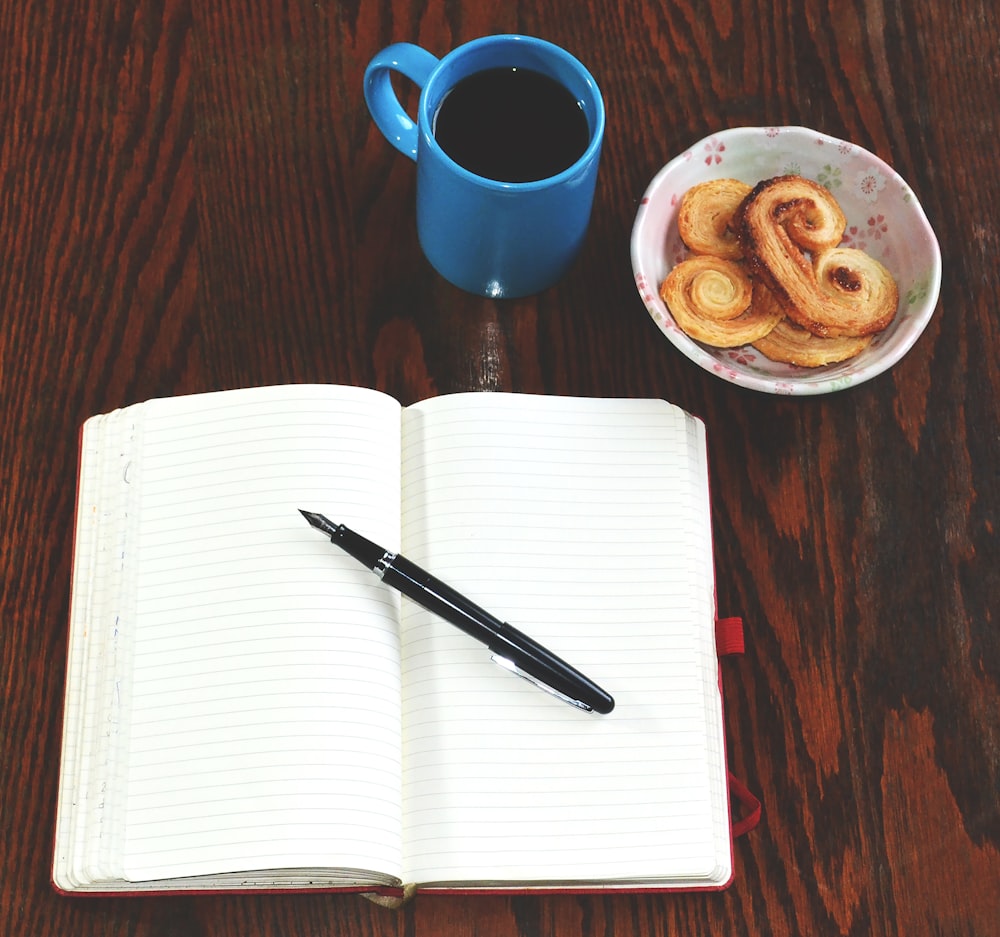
(320,522)
(315,519)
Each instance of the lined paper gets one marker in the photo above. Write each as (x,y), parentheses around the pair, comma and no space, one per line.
(585,525)
(265,727)
(90,824)
(247,706)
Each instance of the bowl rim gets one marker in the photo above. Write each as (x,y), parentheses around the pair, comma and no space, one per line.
(812,381)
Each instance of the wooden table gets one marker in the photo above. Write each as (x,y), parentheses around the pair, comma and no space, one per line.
(193,197)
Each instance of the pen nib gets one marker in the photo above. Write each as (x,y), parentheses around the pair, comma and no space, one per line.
(319,522)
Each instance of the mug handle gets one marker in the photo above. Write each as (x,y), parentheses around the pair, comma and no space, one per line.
(396,125)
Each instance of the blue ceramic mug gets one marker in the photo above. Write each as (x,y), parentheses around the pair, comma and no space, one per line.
(486,235)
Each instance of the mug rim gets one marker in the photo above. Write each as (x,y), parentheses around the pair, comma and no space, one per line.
(425,119)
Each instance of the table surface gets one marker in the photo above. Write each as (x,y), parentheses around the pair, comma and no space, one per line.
(194,198)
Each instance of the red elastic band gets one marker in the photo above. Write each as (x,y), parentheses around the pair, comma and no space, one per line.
(729,636)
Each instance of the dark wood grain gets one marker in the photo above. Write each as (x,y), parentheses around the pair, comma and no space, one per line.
(193,197)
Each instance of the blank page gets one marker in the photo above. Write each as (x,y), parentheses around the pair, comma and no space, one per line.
(585,523)
(265,727)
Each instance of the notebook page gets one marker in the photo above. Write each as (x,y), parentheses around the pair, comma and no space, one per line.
(701,539)
(585,524)
(87,831)
(265,704)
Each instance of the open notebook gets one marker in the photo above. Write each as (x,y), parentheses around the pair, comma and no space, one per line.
(247,707)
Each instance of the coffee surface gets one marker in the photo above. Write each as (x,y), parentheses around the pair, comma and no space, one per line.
(511,125)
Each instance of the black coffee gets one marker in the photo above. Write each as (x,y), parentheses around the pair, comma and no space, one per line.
(512,125)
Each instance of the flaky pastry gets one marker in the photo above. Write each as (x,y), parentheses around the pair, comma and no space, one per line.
(704,219)
(781,223)
(793,344)
(715,302)
(864,289)
(806,211)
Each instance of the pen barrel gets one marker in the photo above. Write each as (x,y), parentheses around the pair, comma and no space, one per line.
(437,596)
(501,638)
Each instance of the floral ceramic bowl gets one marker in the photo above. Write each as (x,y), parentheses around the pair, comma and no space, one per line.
(883,218)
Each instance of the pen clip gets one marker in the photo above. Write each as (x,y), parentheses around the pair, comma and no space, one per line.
(541,684)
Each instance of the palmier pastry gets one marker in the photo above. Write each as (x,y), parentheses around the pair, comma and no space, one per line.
(866,292)
(842,295)
(806,211)
(704,220)
(792,344)
(715,302)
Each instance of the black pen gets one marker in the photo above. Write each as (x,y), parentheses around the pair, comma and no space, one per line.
(511,648)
